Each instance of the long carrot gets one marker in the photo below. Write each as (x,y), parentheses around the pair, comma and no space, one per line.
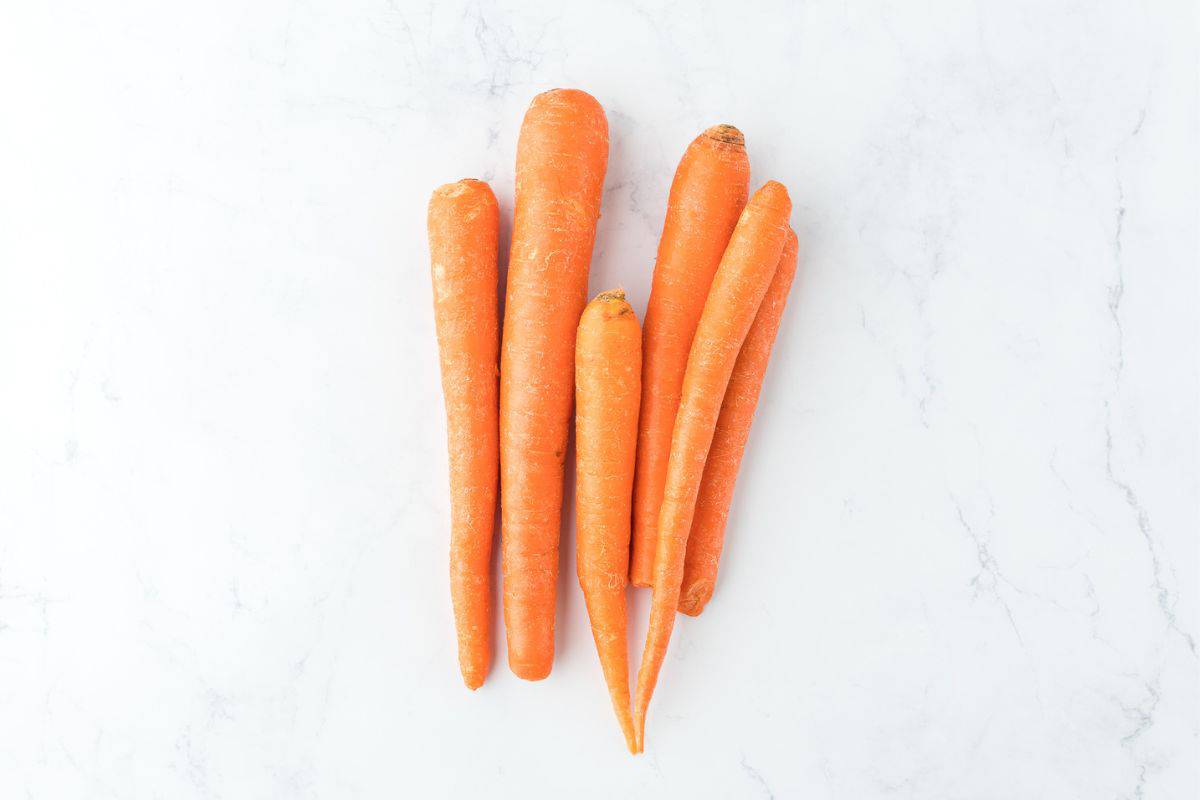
(729,441)
(463,240)
(737,291)
(707,195)
(562,154)
(608,378)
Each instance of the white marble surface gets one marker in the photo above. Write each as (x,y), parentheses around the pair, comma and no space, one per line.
(963,555)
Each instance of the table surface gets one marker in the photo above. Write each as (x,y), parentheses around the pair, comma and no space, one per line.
(962,557)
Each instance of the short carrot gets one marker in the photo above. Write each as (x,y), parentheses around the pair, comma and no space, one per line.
(737,291)
(608,370)
(707,195)
(463,241)
(729,441)
(562,153)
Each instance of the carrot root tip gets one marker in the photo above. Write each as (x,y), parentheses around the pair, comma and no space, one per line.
(695,598)
(527,672)
(727,134)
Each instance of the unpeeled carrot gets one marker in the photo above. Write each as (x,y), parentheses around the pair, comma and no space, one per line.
(737,291)
(562,154)
(729,441)
(463,241)
(707,195)
(608,377)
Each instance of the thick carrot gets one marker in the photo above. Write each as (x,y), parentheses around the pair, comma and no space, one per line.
(729,441)
(463,240)
(608,378)
(562,153)
(737,291)
(707,195)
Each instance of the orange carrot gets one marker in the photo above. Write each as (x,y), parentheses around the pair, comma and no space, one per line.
(464,228)
(707,195)
(729,441)
(608,378)
(562,153)
(737,291)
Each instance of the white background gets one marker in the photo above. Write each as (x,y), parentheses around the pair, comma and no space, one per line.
(962,558)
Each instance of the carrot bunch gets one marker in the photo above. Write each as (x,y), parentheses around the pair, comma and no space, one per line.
(662,414)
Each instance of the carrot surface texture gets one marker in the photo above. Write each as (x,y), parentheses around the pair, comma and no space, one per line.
(737,292)
(608,370)
(562,153)
(707,195)
(729,441)
(464,228)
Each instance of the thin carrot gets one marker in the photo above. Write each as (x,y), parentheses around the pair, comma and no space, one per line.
(608,378)
(463,240)
(729,441)
(737,291)
(562,154)
(707,195)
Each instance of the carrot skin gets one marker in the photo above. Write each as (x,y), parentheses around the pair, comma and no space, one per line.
(737,291)
(562,154)
(608,365)
(707,194)
(729,441)
(464,227)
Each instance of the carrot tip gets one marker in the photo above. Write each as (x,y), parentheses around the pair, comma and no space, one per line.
(612,294)
(609,305)
(567,95)
(530,672)
(462,198)
(727,134)
(695,598)
(460,186)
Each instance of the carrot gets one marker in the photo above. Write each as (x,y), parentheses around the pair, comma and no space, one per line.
(737,291)
(562,153)
(464,228)
(608,378)
(707,194)
(729,441)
